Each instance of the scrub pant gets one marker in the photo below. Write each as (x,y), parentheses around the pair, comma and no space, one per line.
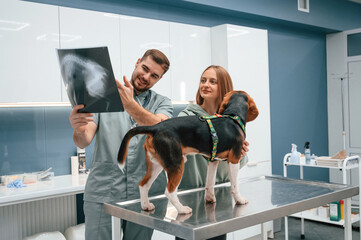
(98,225)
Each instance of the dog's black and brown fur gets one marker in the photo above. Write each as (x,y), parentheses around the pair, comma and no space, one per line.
(168,143)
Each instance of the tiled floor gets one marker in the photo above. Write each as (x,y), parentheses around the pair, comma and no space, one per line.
(315,231)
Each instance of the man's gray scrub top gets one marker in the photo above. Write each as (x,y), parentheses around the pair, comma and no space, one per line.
(106,182)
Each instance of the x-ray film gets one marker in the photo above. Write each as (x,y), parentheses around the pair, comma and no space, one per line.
(88,78)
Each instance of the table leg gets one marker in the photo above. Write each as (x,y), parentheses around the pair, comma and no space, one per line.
(348,225)
(286,228)
(116,233)
(264,231)
(286,219)
(302,219)
(359,184)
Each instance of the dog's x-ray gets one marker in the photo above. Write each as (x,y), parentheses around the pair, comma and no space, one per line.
(89,80)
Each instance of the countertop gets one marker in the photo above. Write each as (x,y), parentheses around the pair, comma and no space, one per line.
(58,186)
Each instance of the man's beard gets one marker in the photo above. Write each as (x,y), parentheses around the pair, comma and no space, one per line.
(139,90)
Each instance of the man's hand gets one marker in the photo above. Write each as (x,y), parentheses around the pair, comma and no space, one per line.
(126,93)
(245,148)
(141,115)
(79,120)
(84,127)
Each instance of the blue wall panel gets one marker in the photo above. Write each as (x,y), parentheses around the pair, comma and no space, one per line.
(36,138)
(298,91)
(59,140)
(22,140)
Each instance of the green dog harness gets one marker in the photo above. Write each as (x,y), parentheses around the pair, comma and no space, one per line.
(214,133)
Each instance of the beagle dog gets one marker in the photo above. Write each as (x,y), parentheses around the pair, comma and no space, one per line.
(169,142)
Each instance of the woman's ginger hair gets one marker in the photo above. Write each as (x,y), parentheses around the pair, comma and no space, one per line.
(224,82)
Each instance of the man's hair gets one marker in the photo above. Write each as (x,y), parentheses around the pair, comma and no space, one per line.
(157,57)
(224,82)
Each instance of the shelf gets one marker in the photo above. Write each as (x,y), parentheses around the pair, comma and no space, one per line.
(310,216)
(348,163)
(351,166)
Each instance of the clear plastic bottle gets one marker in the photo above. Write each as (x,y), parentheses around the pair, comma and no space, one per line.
(295,156)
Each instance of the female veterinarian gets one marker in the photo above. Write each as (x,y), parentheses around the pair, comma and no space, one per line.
(214,84)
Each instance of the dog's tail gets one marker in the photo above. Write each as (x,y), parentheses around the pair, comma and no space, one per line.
(123,150)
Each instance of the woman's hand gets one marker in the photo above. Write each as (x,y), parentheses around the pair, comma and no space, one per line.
(245,148)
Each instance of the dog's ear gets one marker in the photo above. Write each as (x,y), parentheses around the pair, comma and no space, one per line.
(224,103)
(252,110)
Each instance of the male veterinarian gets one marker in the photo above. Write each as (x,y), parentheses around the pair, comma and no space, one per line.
(106,182)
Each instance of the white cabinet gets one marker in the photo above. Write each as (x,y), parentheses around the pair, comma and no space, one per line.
(82,28)
(29,35)
(243,51)
(138,35)
(190,53)
(157,235)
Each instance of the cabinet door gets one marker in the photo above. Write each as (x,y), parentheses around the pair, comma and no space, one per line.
(354,89)
(29,35)
(157,235)
(243,52)
(248,67)
(138,35)
(83,28)
(190,50)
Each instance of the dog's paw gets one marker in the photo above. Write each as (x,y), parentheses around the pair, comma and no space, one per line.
(183,217)
(184,210)
(121,167)
(148,213)
(210,198)
(148,206)
(241,200)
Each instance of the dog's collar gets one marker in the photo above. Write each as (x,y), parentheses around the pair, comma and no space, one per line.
(214,133)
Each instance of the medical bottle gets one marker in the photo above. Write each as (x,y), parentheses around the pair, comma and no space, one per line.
(295,156)
(81,160)
(307,153)
(335,211)
(342,206)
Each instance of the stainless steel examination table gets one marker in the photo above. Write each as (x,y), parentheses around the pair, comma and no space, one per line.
(270,197)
